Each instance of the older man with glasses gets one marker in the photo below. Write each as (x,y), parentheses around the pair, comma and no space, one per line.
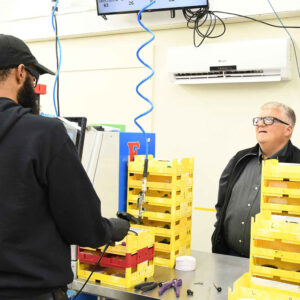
(239,187)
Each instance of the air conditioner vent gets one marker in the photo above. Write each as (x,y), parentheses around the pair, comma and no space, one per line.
(225,74)
(241,61)
(244,72)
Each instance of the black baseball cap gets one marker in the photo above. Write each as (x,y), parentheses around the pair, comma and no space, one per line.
(14,52)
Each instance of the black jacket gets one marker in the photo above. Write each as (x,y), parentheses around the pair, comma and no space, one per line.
(47,203)
(228,179)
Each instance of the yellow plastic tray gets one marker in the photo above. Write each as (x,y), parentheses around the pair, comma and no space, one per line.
(284,272)
(128,278)
(131,243)
(165,167)
(280,188)
(167,229)
(168,260)
(164,215)
(273,170)
(244,288)
(264,227)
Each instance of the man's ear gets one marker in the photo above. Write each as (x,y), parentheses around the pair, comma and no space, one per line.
(20,74)
(289,130)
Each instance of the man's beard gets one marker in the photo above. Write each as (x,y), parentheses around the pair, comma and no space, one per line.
(28,98)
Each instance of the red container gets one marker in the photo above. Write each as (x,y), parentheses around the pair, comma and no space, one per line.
(116,261)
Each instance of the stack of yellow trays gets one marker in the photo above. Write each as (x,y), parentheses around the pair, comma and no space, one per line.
(245,288)
(280,189)
(275,238)
(275,249)
(126,264)
(167,210)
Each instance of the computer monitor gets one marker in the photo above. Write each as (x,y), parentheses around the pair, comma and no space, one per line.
(77,136)
(107,7)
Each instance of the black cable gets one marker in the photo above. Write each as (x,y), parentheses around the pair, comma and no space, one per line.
(272,25)
(130,230)
(57,64)
(196,18)
(253,19)
(295,52)
(93,270)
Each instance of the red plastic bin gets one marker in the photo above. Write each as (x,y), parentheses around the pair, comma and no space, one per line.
(116,261)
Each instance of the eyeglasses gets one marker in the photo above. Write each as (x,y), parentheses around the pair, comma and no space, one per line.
(267,120)
(35,75)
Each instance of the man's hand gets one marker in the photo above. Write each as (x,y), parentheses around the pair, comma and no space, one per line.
(119,229)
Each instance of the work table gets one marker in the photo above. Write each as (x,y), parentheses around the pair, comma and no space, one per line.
(211,268)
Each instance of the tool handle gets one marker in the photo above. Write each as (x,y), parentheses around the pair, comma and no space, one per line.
(143,284)
(126,216)
(149,287)
(165,287)
(177,284)
(138,286)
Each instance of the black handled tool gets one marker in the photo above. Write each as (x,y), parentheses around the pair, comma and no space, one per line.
(146,286)
(128,217)
(218,288)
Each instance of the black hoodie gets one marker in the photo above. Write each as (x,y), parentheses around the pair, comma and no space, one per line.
(47,203)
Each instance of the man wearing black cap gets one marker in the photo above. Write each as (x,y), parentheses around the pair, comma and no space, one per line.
(47,202)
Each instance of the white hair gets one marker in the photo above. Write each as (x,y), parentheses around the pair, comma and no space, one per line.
(284,108)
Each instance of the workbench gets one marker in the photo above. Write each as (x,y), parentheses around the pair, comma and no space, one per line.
(211,268)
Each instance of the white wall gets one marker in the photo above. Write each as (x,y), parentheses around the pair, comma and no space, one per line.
(208,122)
(79,17)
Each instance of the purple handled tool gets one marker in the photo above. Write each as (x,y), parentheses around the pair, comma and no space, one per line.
(175,283)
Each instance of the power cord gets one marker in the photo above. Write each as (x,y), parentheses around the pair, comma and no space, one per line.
(93,270)
(134,232)
(57,65)
(269,24)
(253,19)
(195,19)
(58,60)
(147,78)
(141,198)
(285,28)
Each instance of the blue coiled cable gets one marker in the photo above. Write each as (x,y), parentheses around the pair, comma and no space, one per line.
(147,78)
(58,69)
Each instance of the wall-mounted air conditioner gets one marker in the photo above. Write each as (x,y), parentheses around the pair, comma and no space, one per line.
(245,61)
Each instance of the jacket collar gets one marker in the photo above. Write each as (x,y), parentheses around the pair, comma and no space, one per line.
(281,157)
